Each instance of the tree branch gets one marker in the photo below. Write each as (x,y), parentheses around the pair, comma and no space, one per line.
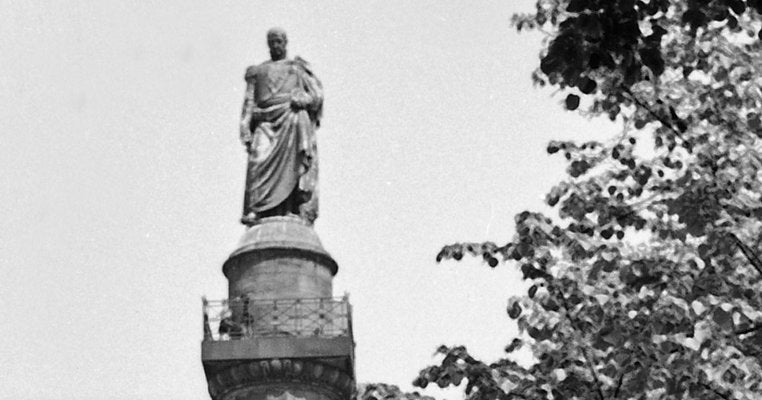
(749,329)
(717,392)
(653,113)
(618,384)
(749,253)
(598,385)
(512,395)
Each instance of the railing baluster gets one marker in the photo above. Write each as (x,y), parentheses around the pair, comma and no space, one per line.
(298,316)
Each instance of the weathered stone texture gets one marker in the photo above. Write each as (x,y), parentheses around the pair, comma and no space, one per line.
(270,275)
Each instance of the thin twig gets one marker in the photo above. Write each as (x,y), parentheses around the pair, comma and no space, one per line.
(653,113)
(717,392)
(584,351)
(748,330)
(514,394)
(749,253)
(618,384)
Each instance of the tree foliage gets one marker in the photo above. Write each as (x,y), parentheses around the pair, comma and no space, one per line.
(647,284)
(383,391)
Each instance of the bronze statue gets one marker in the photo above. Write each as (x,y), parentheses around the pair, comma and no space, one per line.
(281,112)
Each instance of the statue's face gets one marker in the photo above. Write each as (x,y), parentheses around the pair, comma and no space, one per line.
(277,45)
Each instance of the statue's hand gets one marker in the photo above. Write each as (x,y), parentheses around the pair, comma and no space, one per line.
(246,137)
(300,100)
(296,104)
(247,143)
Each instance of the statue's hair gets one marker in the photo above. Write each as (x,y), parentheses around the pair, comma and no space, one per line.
(277,32)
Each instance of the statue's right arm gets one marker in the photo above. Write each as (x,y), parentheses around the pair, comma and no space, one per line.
(248,107)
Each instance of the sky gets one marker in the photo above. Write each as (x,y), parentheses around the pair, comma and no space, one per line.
(121,179)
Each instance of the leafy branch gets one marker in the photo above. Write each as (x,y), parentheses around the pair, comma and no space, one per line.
(605,49)
(573,321)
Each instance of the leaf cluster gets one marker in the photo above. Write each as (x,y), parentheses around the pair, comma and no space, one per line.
(647,283)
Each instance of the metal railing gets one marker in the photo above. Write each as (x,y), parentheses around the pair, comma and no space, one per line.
(246,318)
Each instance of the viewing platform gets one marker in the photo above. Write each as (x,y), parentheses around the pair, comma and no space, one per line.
(246,329)
(243,318)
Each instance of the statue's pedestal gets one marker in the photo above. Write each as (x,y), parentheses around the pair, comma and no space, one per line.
(281,335)
(280,258)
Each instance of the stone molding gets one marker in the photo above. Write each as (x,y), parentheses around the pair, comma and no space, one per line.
(258,255)
(278,237)
(285,218)
(279,372)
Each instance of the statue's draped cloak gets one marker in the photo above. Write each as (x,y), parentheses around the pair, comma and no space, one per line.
(283,160)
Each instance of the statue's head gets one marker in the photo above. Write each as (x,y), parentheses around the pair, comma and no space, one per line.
(276,41)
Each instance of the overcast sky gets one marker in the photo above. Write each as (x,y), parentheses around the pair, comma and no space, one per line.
(122,177)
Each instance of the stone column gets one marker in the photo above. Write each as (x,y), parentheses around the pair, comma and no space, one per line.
(295,340)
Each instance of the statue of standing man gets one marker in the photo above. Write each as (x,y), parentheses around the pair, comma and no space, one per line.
(281,112)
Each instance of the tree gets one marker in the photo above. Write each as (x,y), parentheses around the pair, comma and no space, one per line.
(648,282)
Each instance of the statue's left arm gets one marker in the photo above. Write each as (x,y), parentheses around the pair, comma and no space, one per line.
(248,107)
